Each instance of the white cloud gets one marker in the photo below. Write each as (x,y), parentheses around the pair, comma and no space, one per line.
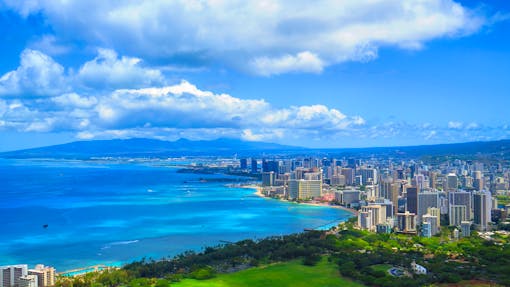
(75,100)
(472,126)
(38,74)
(44,125)
(302,62)
(249,135)
(107,70)
(267,36)
(430,135)
(455,125)
(48,44)
(186,106)
(182,108)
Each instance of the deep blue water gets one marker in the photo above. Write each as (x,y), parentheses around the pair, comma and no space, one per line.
(107,212)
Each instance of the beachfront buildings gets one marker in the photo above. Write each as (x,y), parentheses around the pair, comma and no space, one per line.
(451,192)
(302,189)
(28,281)
(20,276)
(10,275)
(45,275)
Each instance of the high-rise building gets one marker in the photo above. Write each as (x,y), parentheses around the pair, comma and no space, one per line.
(315,175)
(45,275)
(368,176)
(271,165)
(385,187)
(426,229)
(482,203)
(452,182)
(10,275)
(433,180)
(478,183)
(433,222)
(378,213)
(461,198)
(465,227)
(305,189)
(28,281)
(268,178)
(365,220)
(350,196)
(387,204)
(425,201)
(435,212)
(406,222)
(338,180)
(412,199)
(254,166)
(419,182)
(395,192)
(349,176)
(243,164)
(457,214)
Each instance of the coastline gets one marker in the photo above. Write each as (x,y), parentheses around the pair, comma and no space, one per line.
(258,192)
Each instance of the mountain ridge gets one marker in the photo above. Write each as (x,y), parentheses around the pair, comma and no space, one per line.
(147,147)
(143,147)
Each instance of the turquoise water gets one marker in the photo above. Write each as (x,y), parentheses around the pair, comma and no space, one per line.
(101,212)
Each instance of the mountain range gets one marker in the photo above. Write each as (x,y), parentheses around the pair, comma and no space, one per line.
(140,147)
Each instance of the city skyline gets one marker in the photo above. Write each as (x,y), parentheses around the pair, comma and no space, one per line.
(323,75)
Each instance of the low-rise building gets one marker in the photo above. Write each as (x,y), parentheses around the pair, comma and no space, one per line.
(418,269)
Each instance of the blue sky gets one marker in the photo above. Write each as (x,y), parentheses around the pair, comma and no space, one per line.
(319,74)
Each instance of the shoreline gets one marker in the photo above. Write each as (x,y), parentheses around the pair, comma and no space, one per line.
(258,192)
(79,271)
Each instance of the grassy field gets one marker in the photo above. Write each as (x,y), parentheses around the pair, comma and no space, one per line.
(382,267)
(472,283)
(292,273)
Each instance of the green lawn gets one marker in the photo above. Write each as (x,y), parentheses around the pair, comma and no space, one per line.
(382,267)
(292,273)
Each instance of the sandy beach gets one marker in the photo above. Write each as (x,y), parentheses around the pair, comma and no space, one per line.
(258,192)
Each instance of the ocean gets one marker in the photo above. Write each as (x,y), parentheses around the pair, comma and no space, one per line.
(72,213)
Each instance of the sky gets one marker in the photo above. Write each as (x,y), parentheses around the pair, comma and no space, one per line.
(325,73)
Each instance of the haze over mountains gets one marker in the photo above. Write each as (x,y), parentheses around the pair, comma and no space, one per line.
(139,147)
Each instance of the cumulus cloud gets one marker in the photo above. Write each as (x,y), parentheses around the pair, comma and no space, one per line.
(179,108)
(269,37)
(38,74)
(110,70)
(185,110)
(186,106)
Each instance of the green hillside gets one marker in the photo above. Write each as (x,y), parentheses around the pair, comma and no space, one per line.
(292,273)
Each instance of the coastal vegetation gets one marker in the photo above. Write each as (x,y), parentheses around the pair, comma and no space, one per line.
(346,257)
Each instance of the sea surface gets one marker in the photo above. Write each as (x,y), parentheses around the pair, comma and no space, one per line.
(113,212)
